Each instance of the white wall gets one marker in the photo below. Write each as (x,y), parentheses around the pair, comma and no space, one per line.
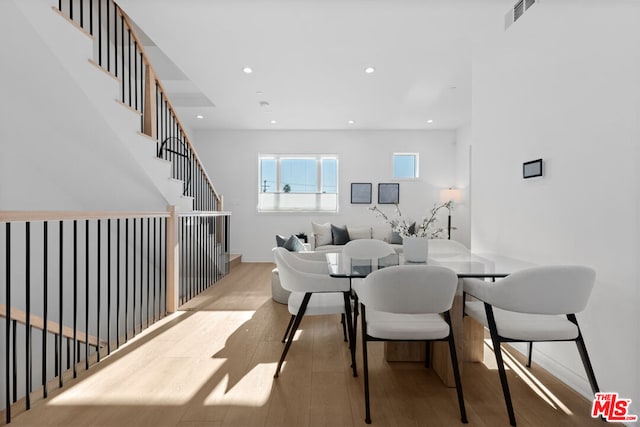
(57,151)
(462,210)
(563,84)
(231,159)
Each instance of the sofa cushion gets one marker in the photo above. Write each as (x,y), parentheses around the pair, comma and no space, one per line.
(322,233)
(340,235)
(356,233)
(292,244)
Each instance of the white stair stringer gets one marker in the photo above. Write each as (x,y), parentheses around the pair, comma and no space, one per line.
(74,49)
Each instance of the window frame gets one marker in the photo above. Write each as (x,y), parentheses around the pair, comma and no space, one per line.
(416,165)
(320,194)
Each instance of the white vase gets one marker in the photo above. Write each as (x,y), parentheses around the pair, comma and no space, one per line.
(415,249)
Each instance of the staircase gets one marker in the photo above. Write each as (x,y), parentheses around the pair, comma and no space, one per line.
(93,62)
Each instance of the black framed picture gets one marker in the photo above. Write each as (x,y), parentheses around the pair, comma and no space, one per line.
(361,193)
(532,168)
(388,193)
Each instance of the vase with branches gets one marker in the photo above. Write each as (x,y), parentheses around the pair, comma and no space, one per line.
(408,228)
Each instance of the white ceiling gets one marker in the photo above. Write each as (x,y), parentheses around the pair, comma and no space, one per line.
(309,57)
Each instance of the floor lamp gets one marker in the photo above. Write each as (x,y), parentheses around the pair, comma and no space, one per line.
(453,195)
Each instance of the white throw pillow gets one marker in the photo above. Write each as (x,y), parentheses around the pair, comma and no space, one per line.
(323,233)
(359,232)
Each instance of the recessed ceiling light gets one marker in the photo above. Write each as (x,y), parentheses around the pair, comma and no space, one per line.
(259,92)
(429,121)
(247,70)
(369,70)
(199,116)
(351,122)
(273,122)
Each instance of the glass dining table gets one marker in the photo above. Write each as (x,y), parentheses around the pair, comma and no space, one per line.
(469,335)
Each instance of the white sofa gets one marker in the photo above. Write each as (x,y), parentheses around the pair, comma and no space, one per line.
(318,241)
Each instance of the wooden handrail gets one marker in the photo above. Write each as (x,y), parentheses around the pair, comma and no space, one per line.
(169,104)
(52,327)
(18,216)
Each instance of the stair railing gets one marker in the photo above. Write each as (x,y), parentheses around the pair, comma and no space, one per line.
(120,52)
(75,286)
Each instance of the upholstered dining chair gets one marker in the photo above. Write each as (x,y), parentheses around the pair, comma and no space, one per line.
(313,292)
(408,303)
(531,305)
(363,249)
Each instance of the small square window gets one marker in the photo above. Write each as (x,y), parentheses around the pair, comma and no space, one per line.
(405,165)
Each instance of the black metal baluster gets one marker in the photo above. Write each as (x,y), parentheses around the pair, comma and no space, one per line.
(129,69)
(142,85)
(91,17)
(56,355)
(135,71)
(133,253)
(141,269)
(75,297)
(115,39)
(14,324)
(108,39)
(108,286)
(71,9)
(60,304)
(7,320)
(81,14)
(148,267)
(28,314)
(155,265)
(86,295)
(99,33)
(122,83)
(118,284)
(98,292)
(45,307)
(126,279)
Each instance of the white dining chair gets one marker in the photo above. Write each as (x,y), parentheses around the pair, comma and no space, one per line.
(313,292)
(531,305)
(408,303)
(363,249)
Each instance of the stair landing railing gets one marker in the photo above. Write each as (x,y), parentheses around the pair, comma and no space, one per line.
(75,286)
(120,52)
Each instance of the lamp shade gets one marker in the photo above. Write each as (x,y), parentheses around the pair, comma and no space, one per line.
(452,194)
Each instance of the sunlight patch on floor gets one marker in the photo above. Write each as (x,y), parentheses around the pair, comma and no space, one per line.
(254,389)
(525,374)
(169,369)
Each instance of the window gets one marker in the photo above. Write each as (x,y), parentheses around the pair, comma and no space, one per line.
(298,183)
(405,165)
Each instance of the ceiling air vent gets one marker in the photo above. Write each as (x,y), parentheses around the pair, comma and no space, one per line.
(517,11)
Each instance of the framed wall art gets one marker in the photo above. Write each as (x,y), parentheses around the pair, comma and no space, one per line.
(361,193)
(388,193)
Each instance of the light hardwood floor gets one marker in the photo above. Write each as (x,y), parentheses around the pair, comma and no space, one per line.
(212,364)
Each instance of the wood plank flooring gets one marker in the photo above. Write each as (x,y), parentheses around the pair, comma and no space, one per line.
(212,364)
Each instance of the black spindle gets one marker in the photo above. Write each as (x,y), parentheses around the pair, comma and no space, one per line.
(28,314)
(7,321)
(86,295)
(45,306)
(60,304)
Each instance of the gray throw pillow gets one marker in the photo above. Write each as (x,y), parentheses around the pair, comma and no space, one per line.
(293,244)
(340,235)
(280,240)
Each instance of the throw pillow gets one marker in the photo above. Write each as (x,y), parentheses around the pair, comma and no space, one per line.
(293,244)
(395,238)
(323,233)
(340,235)
(280,240)
(359,233)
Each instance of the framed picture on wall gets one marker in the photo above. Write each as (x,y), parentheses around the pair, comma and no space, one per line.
(388,193)
(361,193)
